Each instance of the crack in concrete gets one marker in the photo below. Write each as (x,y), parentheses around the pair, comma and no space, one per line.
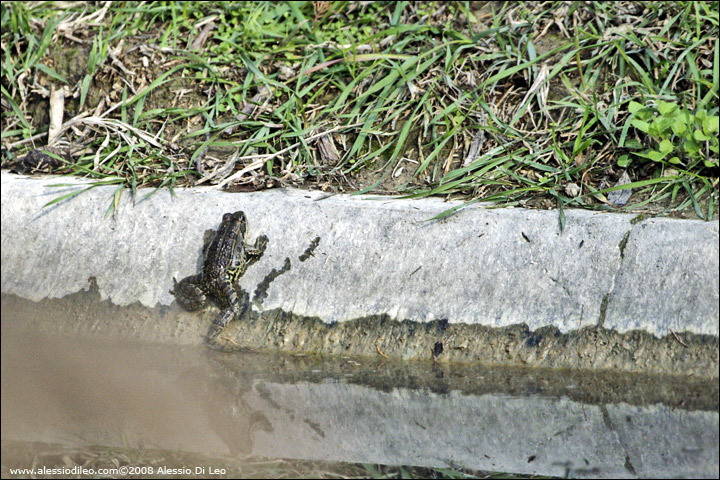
(605,302)
(629,467)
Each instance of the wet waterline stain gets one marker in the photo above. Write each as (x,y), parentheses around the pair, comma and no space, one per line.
(590,348)
(593,364)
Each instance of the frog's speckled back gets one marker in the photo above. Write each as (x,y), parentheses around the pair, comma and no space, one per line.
(222,249)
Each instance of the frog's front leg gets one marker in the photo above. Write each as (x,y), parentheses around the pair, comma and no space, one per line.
(258,249)
(254,252)
(188,292)
(244,256)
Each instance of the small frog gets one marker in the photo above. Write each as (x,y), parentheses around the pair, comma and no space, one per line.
(226,256)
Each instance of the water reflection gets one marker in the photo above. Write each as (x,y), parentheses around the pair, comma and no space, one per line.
(74,391)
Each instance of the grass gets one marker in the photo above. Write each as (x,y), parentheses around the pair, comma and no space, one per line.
(518,104)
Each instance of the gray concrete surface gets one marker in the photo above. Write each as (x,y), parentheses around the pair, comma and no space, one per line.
(583,293)
(494,267)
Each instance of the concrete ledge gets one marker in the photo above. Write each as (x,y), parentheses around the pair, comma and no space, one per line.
(494,268)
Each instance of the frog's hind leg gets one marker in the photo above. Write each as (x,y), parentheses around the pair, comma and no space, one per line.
(219,324)
(230,309)
(188,292)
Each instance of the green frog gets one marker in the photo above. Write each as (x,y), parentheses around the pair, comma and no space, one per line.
(226,256)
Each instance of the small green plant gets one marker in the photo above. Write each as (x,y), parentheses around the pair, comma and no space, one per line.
(681,137)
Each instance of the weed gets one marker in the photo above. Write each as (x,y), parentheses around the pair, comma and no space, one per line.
(689,138)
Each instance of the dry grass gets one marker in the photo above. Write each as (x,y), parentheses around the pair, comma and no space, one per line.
(519,104)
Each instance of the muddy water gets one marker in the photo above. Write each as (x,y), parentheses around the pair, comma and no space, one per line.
(93,390)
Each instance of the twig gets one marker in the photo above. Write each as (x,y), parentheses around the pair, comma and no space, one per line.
(261,159)
(678,338)
(57,109)
(377,347)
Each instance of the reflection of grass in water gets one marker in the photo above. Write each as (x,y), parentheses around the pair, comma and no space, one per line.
(519,104)
(27,455)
